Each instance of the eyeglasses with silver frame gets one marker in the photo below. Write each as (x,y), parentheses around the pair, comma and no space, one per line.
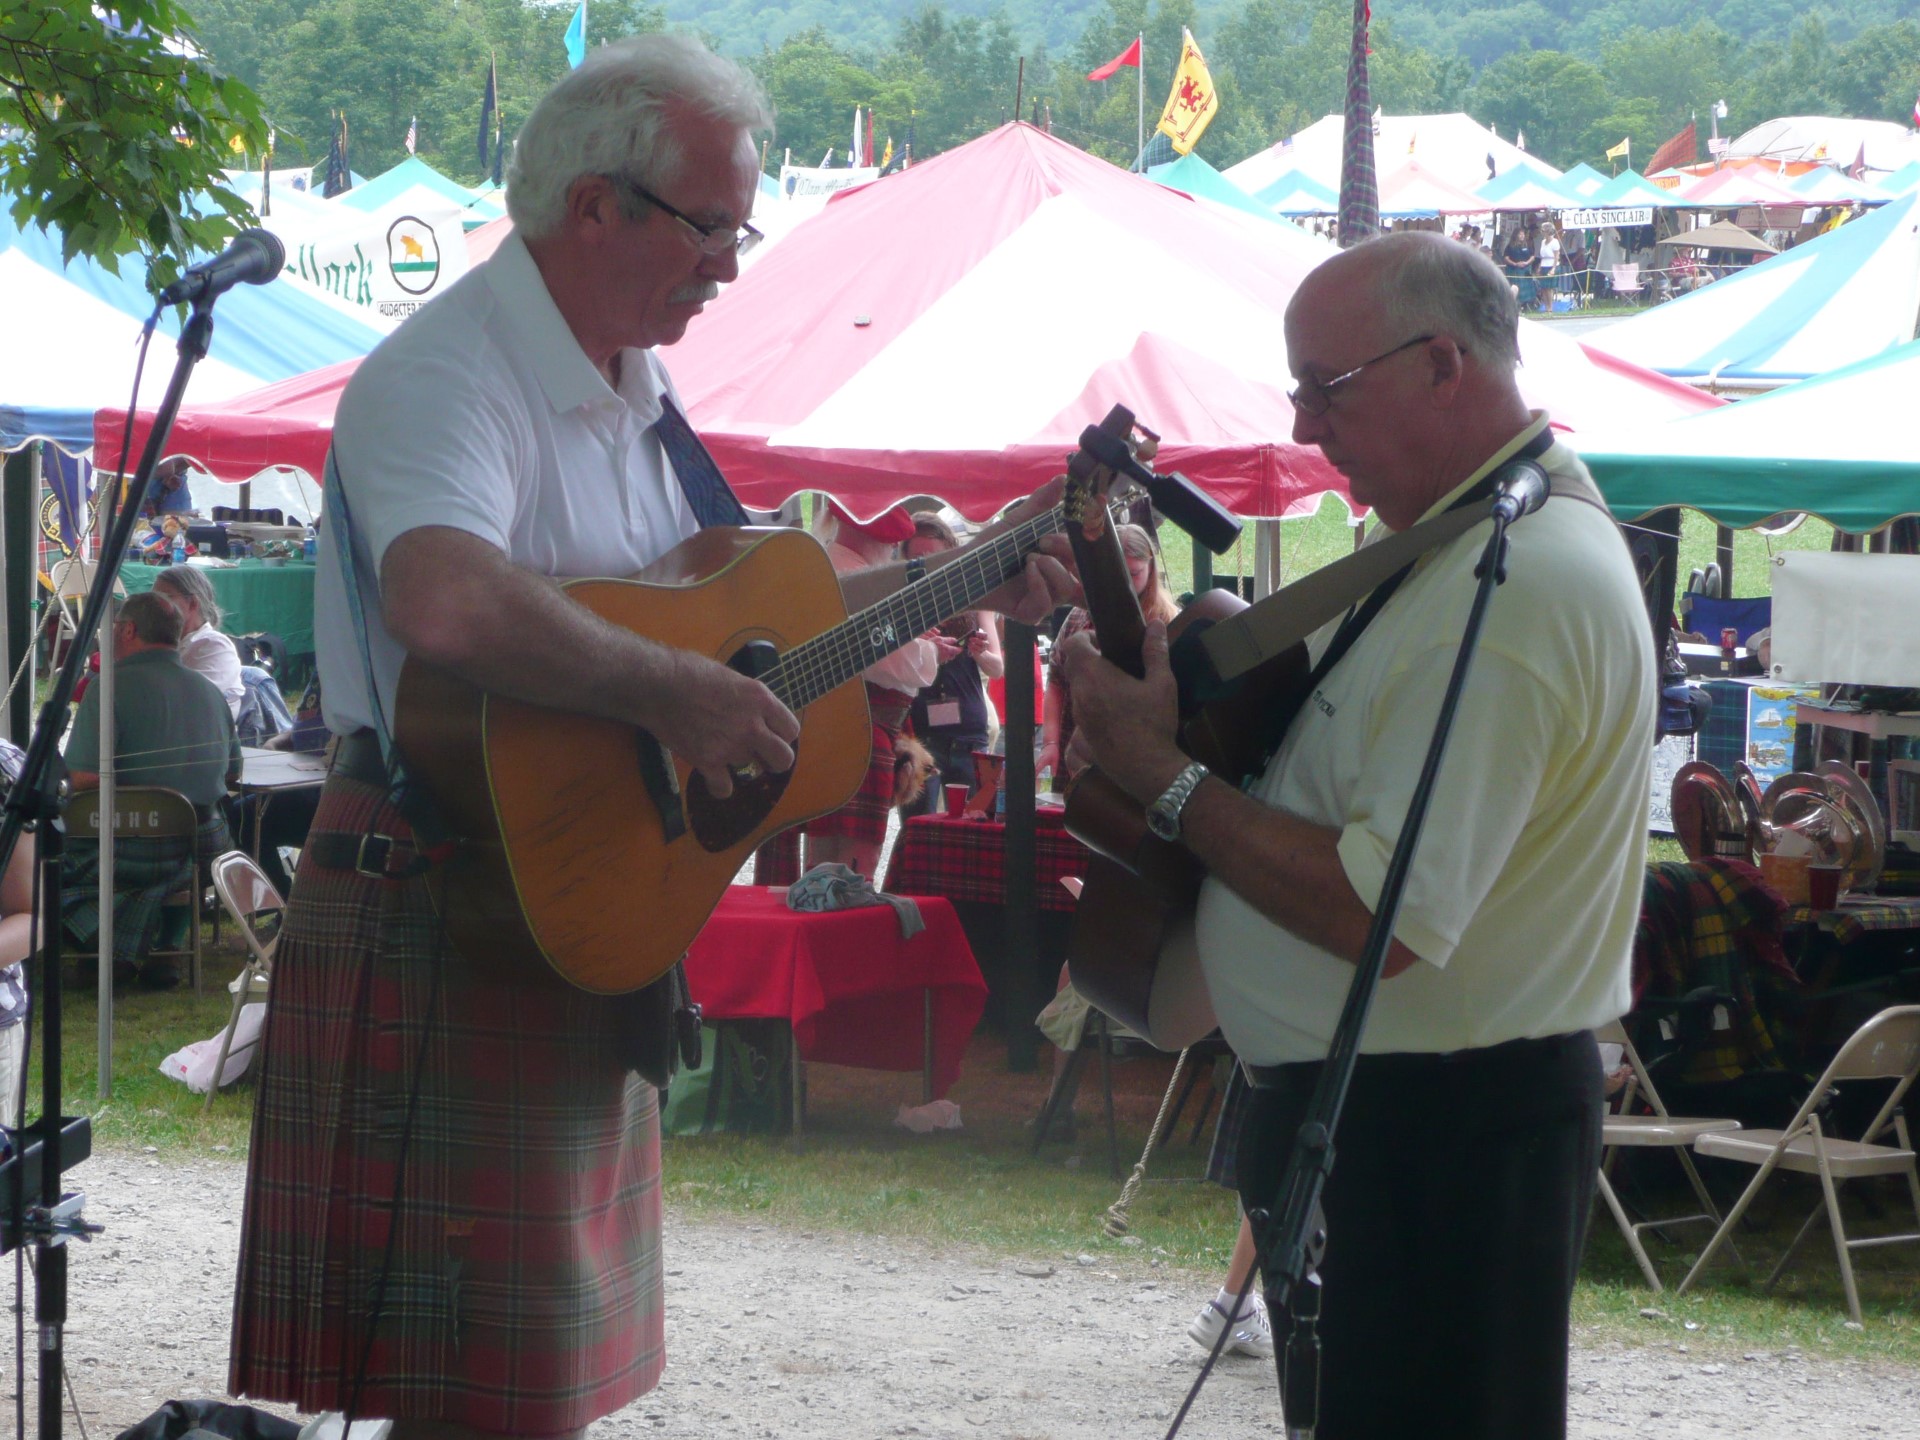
(1312,397)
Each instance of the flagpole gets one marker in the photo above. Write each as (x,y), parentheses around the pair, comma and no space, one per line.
(1140,100)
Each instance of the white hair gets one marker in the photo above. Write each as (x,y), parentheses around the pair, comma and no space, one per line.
(612,116)
(1447,288)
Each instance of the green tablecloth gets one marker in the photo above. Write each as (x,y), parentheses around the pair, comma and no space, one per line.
(255,596)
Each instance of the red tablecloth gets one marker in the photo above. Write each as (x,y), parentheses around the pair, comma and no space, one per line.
(966,859)
(852,989)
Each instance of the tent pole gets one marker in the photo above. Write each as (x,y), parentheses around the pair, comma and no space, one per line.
(1723,553)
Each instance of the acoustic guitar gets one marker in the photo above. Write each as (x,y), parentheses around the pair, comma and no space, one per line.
(1140,891)
(584,849)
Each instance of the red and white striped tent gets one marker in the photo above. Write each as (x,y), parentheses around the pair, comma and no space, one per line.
(951,329)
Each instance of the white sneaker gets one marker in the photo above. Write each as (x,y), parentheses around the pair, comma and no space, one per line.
(1252,1334)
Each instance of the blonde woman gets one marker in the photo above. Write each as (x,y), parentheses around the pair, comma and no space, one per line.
(1148,573)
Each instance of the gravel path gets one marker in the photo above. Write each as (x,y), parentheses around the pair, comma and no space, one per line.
(900,1339)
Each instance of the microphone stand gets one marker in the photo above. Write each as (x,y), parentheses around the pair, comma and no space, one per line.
(40,1155)
(1291,1241)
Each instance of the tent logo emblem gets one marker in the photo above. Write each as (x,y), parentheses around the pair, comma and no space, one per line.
(413,255)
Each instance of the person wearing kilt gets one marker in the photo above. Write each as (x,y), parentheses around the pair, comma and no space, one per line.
(453,1206)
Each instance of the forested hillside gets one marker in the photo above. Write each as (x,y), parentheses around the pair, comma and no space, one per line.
(1573,78)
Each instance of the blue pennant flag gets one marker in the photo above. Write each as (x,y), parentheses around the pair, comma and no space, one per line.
(576,37)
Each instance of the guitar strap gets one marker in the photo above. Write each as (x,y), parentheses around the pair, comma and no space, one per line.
(708,495)
(1288,616)
(1462,515)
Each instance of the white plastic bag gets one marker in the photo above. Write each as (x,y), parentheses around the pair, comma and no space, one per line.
(193,1064)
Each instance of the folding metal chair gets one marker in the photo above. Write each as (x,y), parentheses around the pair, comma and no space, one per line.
(1623,1129)
(1887,1047)
(248,896)
(148,812)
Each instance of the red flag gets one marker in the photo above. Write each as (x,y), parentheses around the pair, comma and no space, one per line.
(1682,149)
(1128,56)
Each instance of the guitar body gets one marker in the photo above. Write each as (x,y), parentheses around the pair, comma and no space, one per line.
(1140,891)
(564,865)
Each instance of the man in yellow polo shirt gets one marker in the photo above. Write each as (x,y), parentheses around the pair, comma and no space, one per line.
(1467,1150)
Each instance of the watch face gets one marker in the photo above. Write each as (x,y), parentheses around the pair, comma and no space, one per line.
(1166,826)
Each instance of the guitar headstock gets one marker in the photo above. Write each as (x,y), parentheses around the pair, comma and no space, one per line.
(1089,482)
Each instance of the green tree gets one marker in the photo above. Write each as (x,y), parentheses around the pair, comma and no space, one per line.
(113,140)
(1552,98)
(1677,73)
(1876,75)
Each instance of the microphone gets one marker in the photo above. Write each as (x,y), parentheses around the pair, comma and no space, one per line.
(254,258)
(1521,489)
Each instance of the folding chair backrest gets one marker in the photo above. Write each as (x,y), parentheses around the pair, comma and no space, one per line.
(1887,1047)
(247,893)
(1626,277)
(141,812)
(1615,1033)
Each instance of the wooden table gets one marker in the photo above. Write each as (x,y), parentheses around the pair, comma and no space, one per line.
(853,991)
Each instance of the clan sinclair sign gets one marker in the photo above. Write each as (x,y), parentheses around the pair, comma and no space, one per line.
(1600,219)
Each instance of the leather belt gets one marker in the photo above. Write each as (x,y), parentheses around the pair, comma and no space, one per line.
(376,856)
(370,853)
(357,757)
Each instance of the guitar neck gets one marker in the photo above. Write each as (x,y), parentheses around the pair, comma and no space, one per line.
(826,662)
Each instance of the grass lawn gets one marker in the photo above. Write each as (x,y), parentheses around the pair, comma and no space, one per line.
(857,1172)
(1310,542)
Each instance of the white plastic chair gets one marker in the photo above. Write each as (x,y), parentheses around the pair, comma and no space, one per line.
(1660,1129)
(1887,1047)
(248,896)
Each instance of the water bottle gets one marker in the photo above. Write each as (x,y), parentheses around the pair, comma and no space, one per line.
(179,547)
(309,545)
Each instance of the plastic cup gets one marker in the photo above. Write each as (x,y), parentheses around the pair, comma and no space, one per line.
(1823,885)
(956,799)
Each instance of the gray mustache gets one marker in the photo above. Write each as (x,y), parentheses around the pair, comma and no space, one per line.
(695,291)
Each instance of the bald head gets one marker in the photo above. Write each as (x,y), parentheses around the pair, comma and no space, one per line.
(1405,348)
(1420,282)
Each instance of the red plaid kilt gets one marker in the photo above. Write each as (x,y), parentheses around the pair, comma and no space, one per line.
(864,817)
(524,1295)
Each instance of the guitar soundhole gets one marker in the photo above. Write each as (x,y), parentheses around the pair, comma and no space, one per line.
(721,824)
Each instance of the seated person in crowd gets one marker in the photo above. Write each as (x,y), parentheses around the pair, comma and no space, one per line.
(169,493)
(950,716)
(171,728)
(205,648)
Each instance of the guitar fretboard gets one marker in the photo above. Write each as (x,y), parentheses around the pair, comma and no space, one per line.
(826,662)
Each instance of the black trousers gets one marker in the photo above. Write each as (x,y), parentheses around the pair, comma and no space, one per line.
(1456,1212)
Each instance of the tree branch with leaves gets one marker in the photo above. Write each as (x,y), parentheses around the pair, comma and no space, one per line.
(113,132)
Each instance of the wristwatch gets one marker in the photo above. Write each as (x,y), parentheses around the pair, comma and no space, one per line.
(1163,815)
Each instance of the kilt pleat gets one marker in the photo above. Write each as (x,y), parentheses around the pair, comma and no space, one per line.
(524,1291)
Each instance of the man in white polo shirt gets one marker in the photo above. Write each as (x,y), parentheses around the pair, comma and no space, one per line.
(1465,1157)
(453,1202)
